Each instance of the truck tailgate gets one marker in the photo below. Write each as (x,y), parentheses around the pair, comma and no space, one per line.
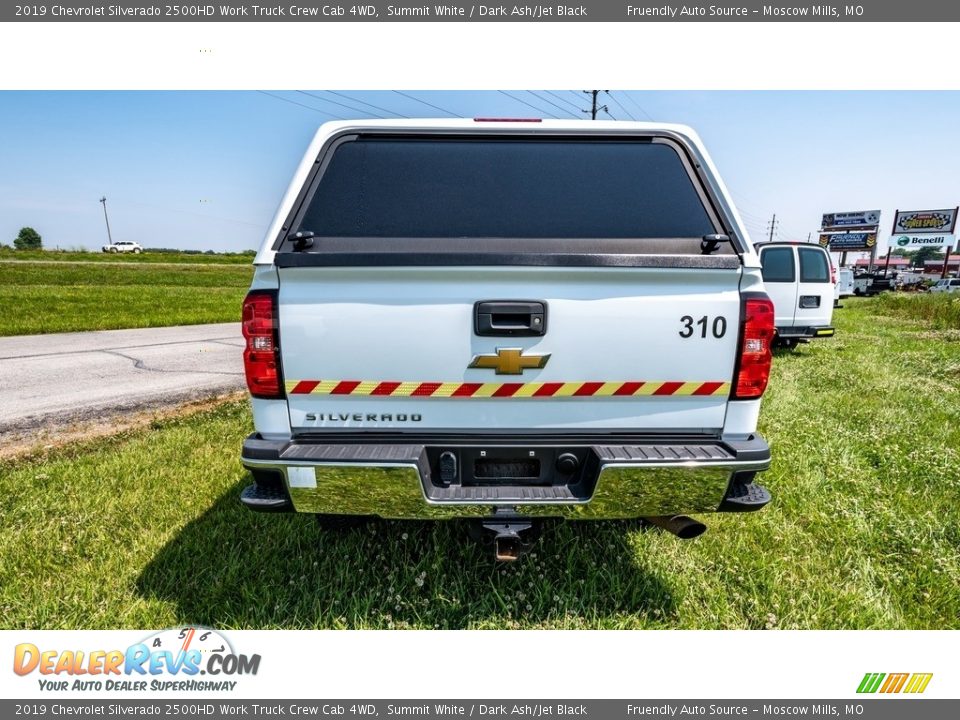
(379,348)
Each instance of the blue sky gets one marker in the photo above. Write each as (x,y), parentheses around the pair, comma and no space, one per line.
(205,170)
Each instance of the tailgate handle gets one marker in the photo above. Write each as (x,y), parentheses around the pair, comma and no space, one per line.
(510,318)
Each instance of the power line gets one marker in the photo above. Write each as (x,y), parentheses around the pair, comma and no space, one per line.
(742,200)
(637,106)
(424,102)
(294,102)
(743,210)
(620,105)
(607,111)
(558,107)
(563,99)
(747,215)
(343,105)
(364,102)
(519,100)
(206,216)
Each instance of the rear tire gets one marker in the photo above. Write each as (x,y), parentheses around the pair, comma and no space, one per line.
(136,251)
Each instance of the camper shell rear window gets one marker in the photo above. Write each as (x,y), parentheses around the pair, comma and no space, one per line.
(387,192)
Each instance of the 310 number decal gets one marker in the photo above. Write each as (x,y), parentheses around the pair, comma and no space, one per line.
(718,328)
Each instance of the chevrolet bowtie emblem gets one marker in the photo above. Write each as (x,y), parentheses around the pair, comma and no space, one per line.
(509,361)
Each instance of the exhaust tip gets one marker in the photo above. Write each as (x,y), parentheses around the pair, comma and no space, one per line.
(683,527)
(692,529)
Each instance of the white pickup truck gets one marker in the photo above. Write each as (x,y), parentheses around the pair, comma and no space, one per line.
(507,320)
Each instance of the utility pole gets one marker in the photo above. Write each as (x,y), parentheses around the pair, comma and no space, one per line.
(773,226)
(594,108)
(103,201)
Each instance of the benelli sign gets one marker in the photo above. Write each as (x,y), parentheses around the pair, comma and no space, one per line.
(924,222)
(914,241)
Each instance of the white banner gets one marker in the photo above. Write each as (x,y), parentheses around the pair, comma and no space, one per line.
(915,242)
(461,664)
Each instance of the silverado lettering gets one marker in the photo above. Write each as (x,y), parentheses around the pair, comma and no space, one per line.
(360,417)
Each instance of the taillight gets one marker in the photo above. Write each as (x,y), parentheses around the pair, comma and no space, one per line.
(261,356)
(756,341)
(833,275)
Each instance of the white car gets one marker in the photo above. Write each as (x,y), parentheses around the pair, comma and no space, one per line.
(507,320)
(946,285)
(123,246)
(799,280)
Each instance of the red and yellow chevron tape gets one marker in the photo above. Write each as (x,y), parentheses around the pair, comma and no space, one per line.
(505,390)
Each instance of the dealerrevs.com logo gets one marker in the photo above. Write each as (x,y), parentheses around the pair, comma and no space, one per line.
(179,659)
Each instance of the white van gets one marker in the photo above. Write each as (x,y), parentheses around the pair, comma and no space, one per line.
(946,285)
(798,278)
(844,283)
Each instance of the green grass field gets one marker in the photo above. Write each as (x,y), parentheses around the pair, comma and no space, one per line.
(43,296)
(940,310)
(145,530)
(144,258)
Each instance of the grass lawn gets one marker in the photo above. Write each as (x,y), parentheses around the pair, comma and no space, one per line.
(941,310)
(145,530)
(43,297)
(144,258)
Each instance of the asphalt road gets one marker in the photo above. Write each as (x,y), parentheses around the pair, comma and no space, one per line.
(65,377)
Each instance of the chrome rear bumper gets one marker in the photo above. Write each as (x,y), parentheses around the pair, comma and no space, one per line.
(401,481)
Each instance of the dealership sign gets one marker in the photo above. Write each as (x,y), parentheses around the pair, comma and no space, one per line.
(917,222)
(916,241)
(849,240)
(845,220)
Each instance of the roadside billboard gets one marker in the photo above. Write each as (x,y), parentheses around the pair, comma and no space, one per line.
(922,222)
(838,242)
(847,220)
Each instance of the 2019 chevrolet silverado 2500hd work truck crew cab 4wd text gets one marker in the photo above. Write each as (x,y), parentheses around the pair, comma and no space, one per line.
(506,321)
